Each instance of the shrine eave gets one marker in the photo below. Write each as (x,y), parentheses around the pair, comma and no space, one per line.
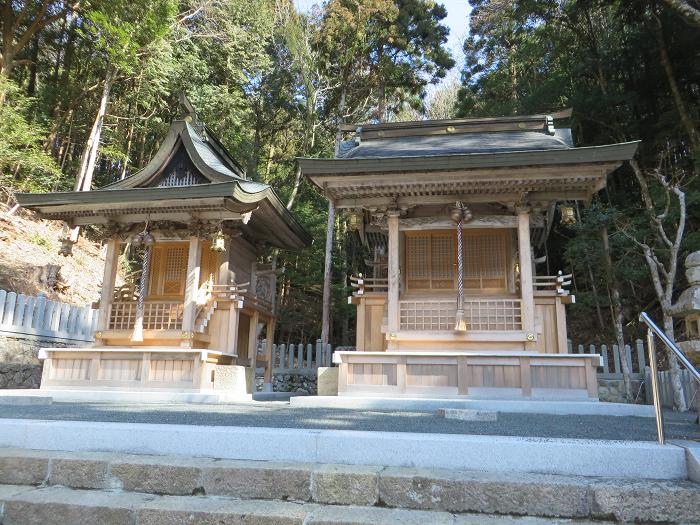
(214,201)
(315,169)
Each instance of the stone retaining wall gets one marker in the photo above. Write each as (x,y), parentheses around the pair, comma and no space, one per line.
(291,380)
(20,375)
(19,348)
(613,390)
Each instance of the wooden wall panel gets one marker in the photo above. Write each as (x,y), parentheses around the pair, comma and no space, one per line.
(558,377)
(382,374)
(431,375)
(494,376)
(70,369)
(120,369)
(241,259)
(171,370)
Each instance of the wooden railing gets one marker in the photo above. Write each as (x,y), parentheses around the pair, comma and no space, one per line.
(557,283)
(157,315)
(299,356)
(480,314)
(364,285)
(37,316)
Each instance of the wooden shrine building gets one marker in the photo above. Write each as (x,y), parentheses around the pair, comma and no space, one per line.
(196,230)
(451,213)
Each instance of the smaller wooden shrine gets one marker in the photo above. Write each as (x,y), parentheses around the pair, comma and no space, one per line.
(452,214)
(194,232)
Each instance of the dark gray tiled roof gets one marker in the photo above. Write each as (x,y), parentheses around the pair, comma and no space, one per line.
(457,144)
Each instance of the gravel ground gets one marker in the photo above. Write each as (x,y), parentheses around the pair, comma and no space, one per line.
(280,414)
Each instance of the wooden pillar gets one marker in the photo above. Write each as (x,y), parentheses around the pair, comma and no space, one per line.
(108,280)
(191,288)
(267,381)
(326,312)
(252,342)
(526,289)
(223,275)
(393,292)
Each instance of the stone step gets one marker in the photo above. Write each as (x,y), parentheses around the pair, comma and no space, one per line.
(22,505)
(419,489)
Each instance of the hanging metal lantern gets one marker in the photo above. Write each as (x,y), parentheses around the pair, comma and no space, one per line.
(218,242)
(148,239)
(568,217)
(354,220)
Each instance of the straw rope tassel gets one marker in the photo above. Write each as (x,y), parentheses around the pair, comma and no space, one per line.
(460,323)
(143,284)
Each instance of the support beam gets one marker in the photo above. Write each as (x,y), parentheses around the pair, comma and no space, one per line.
(191,287)
(394,274)
(326,315)
(525,255)
(109,278)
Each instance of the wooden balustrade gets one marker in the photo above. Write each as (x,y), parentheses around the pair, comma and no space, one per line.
(365,285)
(157,315)
(557,283)
(480,314)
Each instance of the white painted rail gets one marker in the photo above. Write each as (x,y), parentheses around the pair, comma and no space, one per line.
(40,317)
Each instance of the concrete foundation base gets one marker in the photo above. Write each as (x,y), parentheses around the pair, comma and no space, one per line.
(120,396)
(575,457)
(430,405)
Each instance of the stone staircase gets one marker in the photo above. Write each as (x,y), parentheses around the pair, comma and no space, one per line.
(75,488)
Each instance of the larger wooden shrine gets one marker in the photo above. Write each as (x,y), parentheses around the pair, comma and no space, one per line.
(452,214)
(193,232)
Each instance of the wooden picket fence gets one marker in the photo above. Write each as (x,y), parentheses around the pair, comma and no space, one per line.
(636,356)
(40,317)
(612,358)
(690,388)
(300,356)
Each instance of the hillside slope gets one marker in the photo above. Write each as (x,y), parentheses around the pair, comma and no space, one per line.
(28,244)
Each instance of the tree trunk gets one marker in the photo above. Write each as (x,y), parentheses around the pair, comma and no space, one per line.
(617,319)
(689,13)
(89,157)
(327,267)
(686,118)
(341,119)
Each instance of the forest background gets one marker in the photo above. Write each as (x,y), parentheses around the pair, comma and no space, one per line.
(88,88)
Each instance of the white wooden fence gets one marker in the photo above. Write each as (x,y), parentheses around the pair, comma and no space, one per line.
(690,388)
(300,356)
(636,356)
(40,317)
(612,358)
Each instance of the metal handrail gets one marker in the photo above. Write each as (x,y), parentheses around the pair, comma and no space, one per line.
(653,329)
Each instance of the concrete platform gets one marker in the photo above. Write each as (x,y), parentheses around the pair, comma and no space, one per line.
(573,457)
(25,400)
(118,396)
(511,406)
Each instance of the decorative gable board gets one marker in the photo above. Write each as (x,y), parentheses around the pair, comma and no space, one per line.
(180,171)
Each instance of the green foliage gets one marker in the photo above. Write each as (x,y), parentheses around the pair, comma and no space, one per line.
(23,163)
(603,58)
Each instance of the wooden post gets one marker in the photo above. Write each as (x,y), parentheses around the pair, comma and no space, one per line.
(232,338)
(326,315)
(267,380)
(191,288)
(526,289)
(393,292)
(108,279)
(253,343)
